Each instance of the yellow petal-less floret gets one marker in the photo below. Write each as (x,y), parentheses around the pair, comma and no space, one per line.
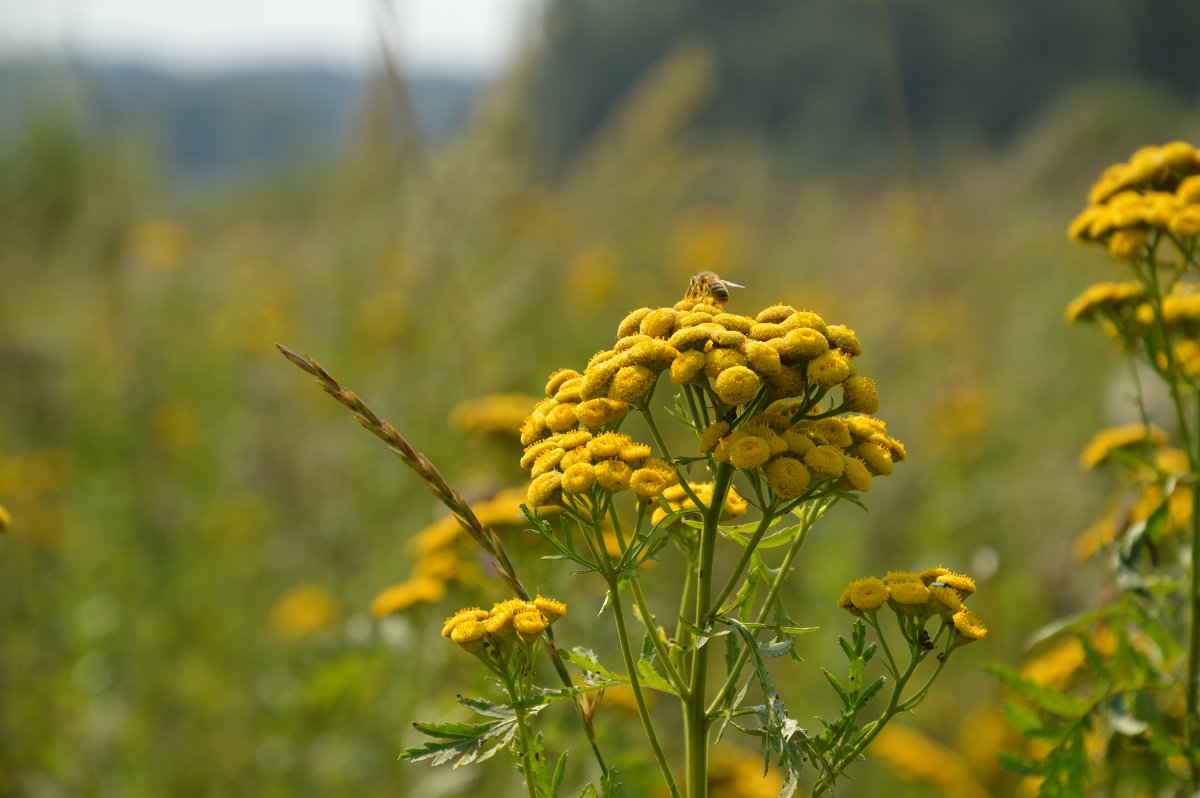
(608,445)
(828,369)
(649,482)
(737,385)
(877,458)
(687,367)
(762,357)
(579,478)
(1128,243)
(825,461)
(711,435)
(557,378)
(968,626)
(658,323)
(868,594)
(832,432)
(631,383)
(859,395)
(544,490)
(855,473)
(552,609)
(749,452)
(844,339)
(613,475)
(787,477)
(718,360)
(529,624)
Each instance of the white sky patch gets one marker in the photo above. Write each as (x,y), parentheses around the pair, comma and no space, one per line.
(475,35)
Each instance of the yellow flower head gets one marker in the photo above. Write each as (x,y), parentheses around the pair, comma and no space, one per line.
(579,454)
(911,593)
(579,478)
(775,314)
(501,413)
(766,331)
(544,490)
(632,323)
(860,395)
(828,369)
(868,594)
(877,457)
(804,318)
(844,339)
(855,473)
(825,461)
(562,418)
(1185,222)
(1104,297)
(547,461)
(718,360)
(650,482)
(761,357)
(1106,441)
(420,590)
(613,475)
(748,452)
(595,413)
(968,626)
(5,519)
(733,321)
(829,432)
(1127,243)
(787,477)
(473,613)
(469,633)
(658,323)
(690,339)
(558,377)
(631,383)
(529,624)
(654,354)
(687,367)
(737,385)
(788,382)
(961,583)
(553,610)
(712,435)
(945,600)
(800,344)
(608,445)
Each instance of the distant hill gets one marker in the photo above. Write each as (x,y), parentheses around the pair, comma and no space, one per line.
(248,122)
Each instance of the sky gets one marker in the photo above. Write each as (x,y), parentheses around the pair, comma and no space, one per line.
(471,35)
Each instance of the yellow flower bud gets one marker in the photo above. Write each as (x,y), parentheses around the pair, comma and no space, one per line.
(608,445)
(632,323)
(748,452)
(548,460)
(788,477)
(788,382)
(844,339)
(562,418)
(804,318)
(829,369)
(544,490)
(557,378)
(718,360)
(469,634)
(631,383)
(579,478)
(877,458)
(868,594)
(658,323)
(732,321)
(613,475)
(761,357)
(1127,244)
(635,453)
(687,367)
(737,385)
(529,624)
(855,473)
(825,461)
(690,338)
(553,610)
(650,482)
(775,314)
(765,331)
(831,432)
(712,435)
(859,395)
(968,626)
(1185,223)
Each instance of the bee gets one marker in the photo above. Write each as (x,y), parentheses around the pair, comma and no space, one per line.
(709,288)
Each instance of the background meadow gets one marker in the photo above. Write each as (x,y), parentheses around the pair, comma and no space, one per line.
(198,532)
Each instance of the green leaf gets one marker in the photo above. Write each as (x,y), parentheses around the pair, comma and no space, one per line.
(1052,701)
(461,743)
(653,679)
(1021,764)
(586,659)
(837,686)
(1025,719)
(502,711)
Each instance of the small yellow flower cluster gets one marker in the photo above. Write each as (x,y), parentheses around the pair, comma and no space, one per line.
(934,590)
(494,414)
(677,499)
(1147,479)
(439,552)
(917,757)
(795,454)
(1158,188)
(1124,311)
(1112,439)
(1108,299)
(473,628)
(575,462)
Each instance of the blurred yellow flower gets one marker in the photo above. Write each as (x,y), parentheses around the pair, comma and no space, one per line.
(302,611)
(1108,440)
(917,757)
(5,519)
(158,243)
(410,593)
(498,413)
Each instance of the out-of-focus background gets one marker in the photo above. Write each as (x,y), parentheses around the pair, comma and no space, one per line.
(443,199)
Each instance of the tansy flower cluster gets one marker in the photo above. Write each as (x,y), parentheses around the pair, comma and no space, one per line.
(1125,311)
(935,590)
(794,454)
(439,562)
(1152,467)
(475,629)
(1157,189)
(678,499)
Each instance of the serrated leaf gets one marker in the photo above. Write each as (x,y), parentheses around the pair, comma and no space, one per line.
(483,707)
(586,659)
(1053,701)
(837,686)
(1025,719)
(653,679)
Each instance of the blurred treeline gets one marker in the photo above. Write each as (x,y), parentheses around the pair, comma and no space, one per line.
(197,531)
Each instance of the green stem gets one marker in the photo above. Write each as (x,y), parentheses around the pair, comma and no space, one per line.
(522,733)
(744,561)
(764,610)
(695,714)
(636,685)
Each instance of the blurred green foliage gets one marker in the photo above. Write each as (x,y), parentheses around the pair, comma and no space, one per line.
(173,482)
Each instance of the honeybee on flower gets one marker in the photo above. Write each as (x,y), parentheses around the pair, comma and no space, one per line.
(710,288)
